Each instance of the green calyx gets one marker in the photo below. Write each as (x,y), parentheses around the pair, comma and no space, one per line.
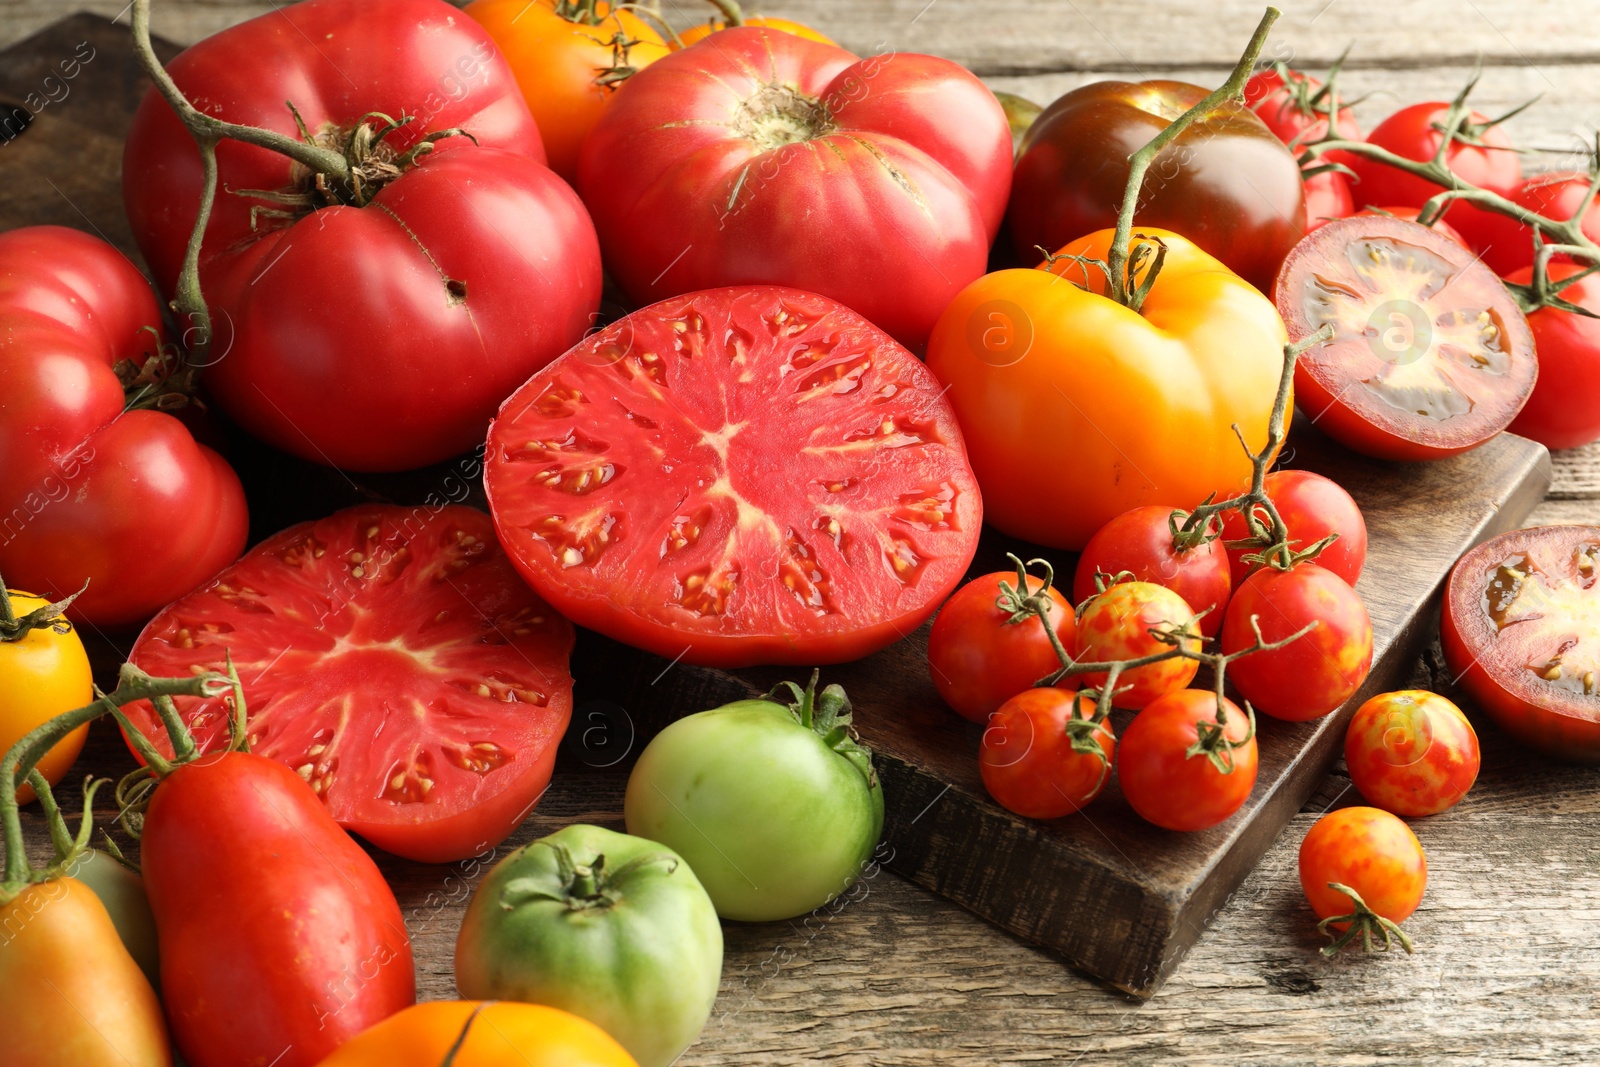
(829,715)
(582,886)
(1363,923)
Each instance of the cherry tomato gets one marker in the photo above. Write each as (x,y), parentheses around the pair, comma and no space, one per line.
(1411,752)
(1029,761)
(1521,633)
(1285,107)
(1507,245)
(980,658)
(1116,624)
(1431,355)
(1140,541)
(1564,410)
(701,30)
(1312,507)
(490,1034)
(1328,197)
(1314,674)
(1226,183)
(1410,214)
(44,671)
(744,475)
(1370,851)
(1167,785)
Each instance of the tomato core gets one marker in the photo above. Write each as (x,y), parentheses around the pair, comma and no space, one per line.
(1566,613)
(778,115)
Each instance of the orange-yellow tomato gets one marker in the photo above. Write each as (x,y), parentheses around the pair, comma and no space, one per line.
(42,674)
(1370,851)
(701,31)
(1076,409)
(501,1034)
(562,65)
(73,995)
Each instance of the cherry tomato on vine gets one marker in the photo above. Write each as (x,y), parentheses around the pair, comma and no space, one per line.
(492,1033)
(1116,625)
(1174,788)
(1285,106)
(44,671)
(701,30)
(1043,756)
(1410,214)
(1508,244)
(1140,541)
(1564,410)
(1328,197)
(1371,852)
(1312,507)
(981,655)
(1318,671)
(1411,753)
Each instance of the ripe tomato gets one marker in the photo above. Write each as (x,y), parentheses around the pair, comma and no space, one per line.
(1410,214)
(1521,633)
(44,672)
(568,63)
(1318,672)
(1564,412)
(1030,757)
(1140,541)
(122,892)
(1431,355)
(615,929)
(1370,851)
(1169,786)
(316,949)
(1116,624)
(745,475)
(701,30)
(1507,245)
(1039,369)
(1411,752)
(395,662)
(1283,106)
(372,328)
(1312,507)
(1226,183)
(766,158)
(1481,155)
(981,655)
(83,469)
(482,1034)
(1328,197)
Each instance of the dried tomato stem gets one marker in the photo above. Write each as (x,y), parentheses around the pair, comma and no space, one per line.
(46,617)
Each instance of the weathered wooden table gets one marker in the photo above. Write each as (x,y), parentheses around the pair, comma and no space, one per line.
(1508,955)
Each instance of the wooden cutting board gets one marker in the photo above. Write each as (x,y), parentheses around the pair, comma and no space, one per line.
(1113,895)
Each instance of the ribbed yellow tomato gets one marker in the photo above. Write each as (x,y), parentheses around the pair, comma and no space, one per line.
(42,674)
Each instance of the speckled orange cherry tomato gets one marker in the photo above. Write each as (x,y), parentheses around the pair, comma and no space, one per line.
(1411,752)
(1370,851)
(1116,624)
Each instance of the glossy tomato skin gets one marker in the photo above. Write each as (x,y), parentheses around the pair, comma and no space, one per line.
(466,273)
(1226,182)
(764,158)
(80,477)
(1140,541)
(1431,355)
(1411,753)
(1518,632)
(42,674)
(396,663)
(1116,624)
(979,659)
(1312,507)
(1169,787)
(1027,760)
(1507,244)
(73,994)
(651,484)
(500,1033)
(1318,672)
(1564,412)
(122,893)
(1328,197)
(1370,851)
(316,948)
(1038,369)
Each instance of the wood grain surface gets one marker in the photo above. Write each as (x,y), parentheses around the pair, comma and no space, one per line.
(1507,962)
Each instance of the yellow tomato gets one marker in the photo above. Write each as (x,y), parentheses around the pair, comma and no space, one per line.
(502,1034)
(42,674)
(701,31)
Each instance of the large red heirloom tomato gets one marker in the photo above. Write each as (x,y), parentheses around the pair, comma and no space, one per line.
(89,487)
(759,156)
(373,327)
(744,475)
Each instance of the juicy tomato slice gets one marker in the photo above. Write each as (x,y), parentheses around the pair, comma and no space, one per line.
(1521,629)
(736,476)
(393,659)
(1431,355)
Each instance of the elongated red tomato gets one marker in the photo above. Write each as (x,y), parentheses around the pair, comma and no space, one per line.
(391,658)
(280,940)
(744,475)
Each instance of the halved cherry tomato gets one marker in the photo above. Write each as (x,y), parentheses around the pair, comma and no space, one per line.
(1370,851)
(1140,541)
(701,30)
(1431,354)
(1411,752)
(1312,507)
(1564,410)
(1028,760)
(1508,244)
(1116,624)
(1521,633)
(490,1033)
(980,658)
(1410,214)
(1172,787)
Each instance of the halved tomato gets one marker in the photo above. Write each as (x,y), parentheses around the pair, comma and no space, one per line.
(1521,633)
(1431,356)
(736,476)
(392,657)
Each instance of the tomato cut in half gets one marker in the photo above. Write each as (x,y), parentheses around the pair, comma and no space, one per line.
(737,476)
(1431,355)
(1521,633)
(394,660)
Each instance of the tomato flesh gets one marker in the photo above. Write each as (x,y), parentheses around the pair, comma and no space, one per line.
(737,476)
(392,658)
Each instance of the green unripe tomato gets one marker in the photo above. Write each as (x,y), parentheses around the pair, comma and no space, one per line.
(776,807)
(609,927)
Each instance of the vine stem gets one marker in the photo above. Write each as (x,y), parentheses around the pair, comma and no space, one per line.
(732,13)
